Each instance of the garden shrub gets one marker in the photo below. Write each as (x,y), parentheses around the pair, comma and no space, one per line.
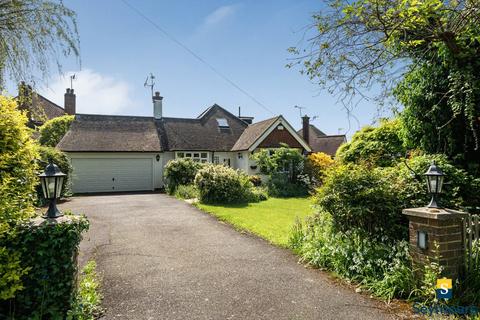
(49,252)
(285,167)
(382,266)
(257,194)
(378,146)
(222,184)
(180,172)
(18,179)
(316,166)
(59,158)
(363,199)
(52,131)
(255,180)
(186,191)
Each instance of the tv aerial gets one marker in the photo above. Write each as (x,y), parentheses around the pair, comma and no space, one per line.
(72,77)
(150,82)
(299,109)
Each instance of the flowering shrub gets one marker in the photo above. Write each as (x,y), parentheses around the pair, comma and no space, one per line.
(186,191)
(316,166)
(221,184)
(180,172)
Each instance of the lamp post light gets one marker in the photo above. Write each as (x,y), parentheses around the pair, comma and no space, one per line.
(434,177)
(52,182)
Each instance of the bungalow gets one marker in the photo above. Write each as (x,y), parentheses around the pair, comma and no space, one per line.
(112,153)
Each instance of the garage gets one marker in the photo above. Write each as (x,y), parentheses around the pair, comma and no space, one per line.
(112,174)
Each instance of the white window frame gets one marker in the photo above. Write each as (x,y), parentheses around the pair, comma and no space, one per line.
(197,156)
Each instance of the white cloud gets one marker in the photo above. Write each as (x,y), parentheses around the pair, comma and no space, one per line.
(220,14)
(96,93)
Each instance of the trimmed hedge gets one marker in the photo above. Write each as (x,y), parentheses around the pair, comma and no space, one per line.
(48,252)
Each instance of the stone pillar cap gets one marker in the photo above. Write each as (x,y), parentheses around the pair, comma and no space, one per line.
(434,213)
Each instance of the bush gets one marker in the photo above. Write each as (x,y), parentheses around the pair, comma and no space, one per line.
(18,179)
(52,131)
(48,251)
(256,180)
(221,184)
(48,154)
(316,167)
(382,266)
(186,192)
(180,172)
(258,194)
(377,146)
(280,185)
(363,199)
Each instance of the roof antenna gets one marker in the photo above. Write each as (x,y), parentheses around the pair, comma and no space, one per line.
(150,82)
(299,109)
(72,77)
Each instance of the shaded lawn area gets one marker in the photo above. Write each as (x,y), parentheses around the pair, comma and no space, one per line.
(271,219)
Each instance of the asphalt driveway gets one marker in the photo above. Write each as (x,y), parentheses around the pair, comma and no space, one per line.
(163,259)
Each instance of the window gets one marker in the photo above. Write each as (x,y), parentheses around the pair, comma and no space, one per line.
(216,160)
(222,123)
(195,156)
(240,155)
(226,162)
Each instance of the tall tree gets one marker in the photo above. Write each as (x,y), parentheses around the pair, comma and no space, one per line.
(34,34)
(405,45)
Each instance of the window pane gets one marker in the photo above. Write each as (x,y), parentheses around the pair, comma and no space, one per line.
(188,155)
(222,122)
(180,154)
(196,155)
(204,155)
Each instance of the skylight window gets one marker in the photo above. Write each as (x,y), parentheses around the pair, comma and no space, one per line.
(222,123)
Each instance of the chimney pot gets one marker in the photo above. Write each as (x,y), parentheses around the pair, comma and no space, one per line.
(306,128)
(70,102)
(157,105)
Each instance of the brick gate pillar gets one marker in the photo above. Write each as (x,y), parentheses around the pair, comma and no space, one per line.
(436,235)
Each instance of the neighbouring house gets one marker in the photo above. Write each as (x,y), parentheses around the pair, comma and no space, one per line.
(39,109)
(112,153)
(319,141)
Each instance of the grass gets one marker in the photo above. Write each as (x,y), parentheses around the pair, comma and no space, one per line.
(271,219)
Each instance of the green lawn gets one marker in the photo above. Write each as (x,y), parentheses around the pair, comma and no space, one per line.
(271,219)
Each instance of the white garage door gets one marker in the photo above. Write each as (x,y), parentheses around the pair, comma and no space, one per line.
(112,175)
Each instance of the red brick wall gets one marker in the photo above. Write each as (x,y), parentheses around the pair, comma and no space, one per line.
(276,137)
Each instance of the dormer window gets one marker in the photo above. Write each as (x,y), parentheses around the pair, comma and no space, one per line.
(222,123)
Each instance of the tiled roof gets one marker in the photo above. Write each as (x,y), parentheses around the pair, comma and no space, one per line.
(313,131)
(111,133)
(327,144)
(252,133)
(146,134)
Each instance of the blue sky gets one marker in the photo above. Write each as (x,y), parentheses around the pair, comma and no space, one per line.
(245,40)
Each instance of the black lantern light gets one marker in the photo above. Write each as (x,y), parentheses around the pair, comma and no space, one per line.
(52,182)
(434,177)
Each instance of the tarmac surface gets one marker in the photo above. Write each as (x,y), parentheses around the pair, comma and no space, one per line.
(161,258)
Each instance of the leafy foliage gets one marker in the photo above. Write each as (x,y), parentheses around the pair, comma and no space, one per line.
(17,190)
(48,250)
(427,50)
(63,162)
(180,172)
(36,33)
(86,305)
(284,166)
(52,131)
(221,184)
(382,266)
(378,146)
(186,191)
(316,167)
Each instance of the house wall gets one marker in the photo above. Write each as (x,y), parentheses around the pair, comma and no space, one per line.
(277,136)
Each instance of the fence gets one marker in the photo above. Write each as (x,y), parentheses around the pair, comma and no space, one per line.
(471,240)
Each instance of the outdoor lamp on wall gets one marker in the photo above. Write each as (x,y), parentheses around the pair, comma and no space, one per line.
(422,239)
(434,177)
(52,181)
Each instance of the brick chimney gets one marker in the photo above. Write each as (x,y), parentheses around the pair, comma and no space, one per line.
(306,128)
(157,105)
(70,103)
